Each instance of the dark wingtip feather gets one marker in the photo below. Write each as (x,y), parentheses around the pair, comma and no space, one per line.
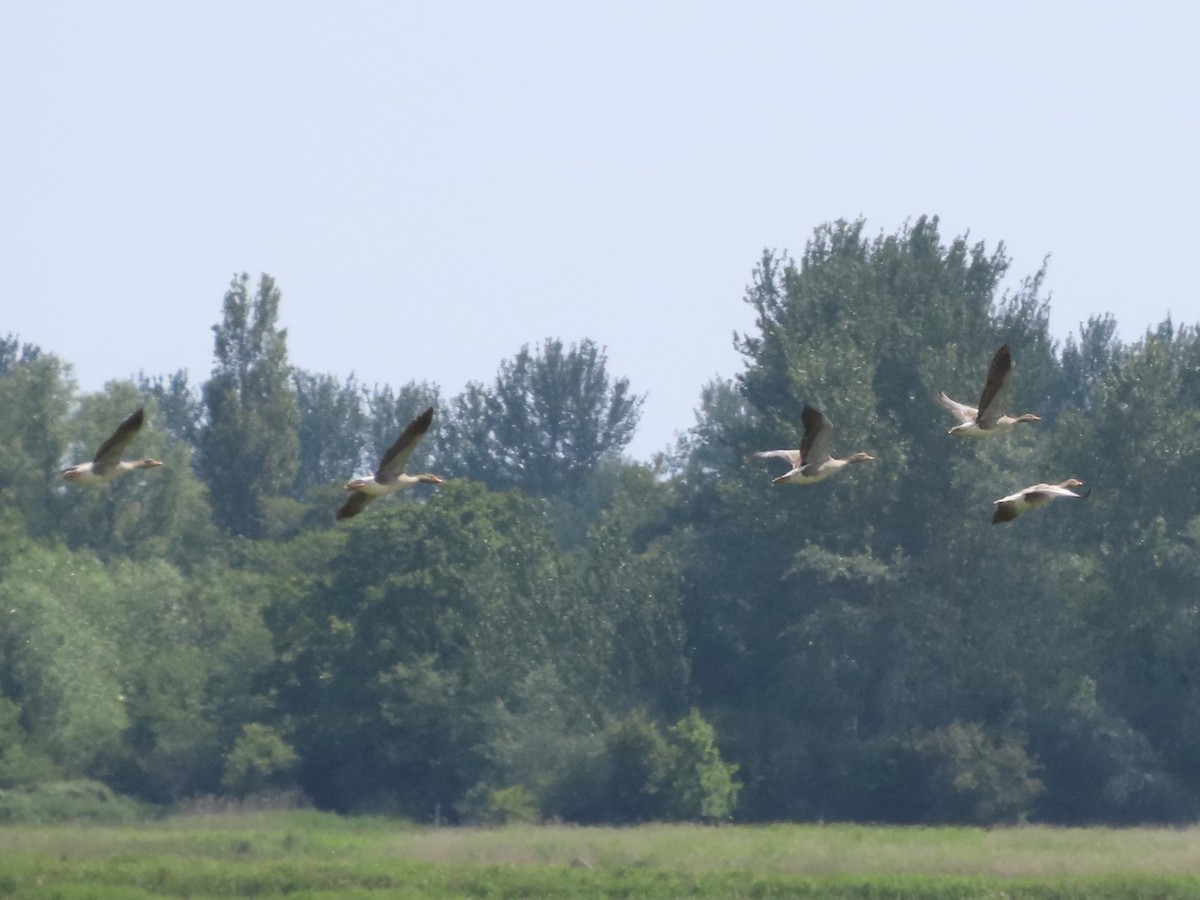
(1004,513)
(353,506)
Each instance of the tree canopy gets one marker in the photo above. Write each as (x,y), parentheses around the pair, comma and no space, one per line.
(559,630)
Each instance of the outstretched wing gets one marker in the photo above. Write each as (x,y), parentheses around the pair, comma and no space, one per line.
(814,446)
(1050,491)
(110,451)
(991,401)
(791,457)
(393,462)
(961,411)
(357,503)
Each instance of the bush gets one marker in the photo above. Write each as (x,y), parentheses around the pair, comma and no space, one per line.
(68,801)
(20,764)
(699,785)
(972,777)
(641,775)
(1100,769)
(260,761)
(514,805)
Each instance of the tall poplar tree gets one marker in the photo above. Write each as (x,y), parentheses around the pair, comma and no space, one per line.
(249,445)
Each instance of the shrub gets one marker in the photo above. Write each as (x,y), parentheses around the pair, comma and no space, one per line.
(974,777)
(639,774)
(1099,768)
(259,761)
(699,785)
(514,805)
(67,801)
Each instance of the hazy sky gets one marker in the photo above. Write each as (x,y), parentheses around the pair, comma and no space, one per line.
(435,184)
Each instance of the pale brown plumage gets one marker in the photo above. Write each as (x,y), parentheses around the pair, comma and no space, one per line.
(812,462)
(989,418)
(390,476)
(107,464)
(1034,497)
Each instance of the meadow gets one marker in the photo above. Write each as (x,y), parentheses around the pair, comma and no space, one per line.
(317,855)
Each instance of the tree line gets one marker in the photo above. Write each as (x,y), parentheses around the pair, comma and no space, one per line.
(560,631)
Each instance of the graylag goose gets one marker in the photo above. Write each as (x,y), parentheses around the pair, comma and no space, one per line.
(812,462)
(989,419)
(390,476)
(1034,497)
(108,464)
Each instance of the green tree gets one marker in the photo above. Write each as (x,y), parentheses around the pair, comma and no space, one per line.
(636,773)
(20,765)
(249,447)
(179,406)
(1086,360)
(35,395)
(332,430)
(1142,552)
(549,419)
(389,413)
(622,607)
(699,784)
(621,781)
(56,664)
(428,614)
(260,760)
(129,671)
(827,622)
(975,777)
(1098,768)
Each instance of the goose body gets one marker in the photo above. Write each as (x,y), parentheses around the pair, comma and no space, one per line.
(1034,497)
(988,418)
(390,476)
(107,464)
(812,462)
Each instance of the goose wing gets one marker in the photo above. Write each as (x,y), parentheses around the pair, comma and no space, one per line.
(791,457)
(961,411)
(1050,491)
(393,462)
(991,401)
(814,446)
(354,505)
(1018,497)
(110,451)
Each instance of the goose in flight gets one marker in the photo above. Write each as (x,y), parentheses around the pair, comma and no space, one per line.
(812,462)
(1034,497)
(989,419)
(390,476)
(108,464)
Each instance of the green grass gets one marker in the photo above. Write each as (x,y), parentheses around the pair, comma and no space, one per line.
(311,855)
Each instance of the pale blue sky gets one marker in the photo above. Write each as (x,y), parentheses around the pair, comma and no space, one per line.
(434,185)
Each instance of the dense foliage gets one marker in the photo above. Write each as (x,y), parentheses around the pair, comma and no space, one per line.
(559,631)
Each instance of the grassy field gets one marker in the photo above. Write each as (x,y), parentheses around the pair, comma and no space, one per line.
(310,855)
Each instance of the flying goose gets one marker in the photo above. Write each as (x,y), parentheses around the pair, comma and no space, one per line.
(989,419)
(812,462)
(1034,497)
(390,476)
(108,464)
